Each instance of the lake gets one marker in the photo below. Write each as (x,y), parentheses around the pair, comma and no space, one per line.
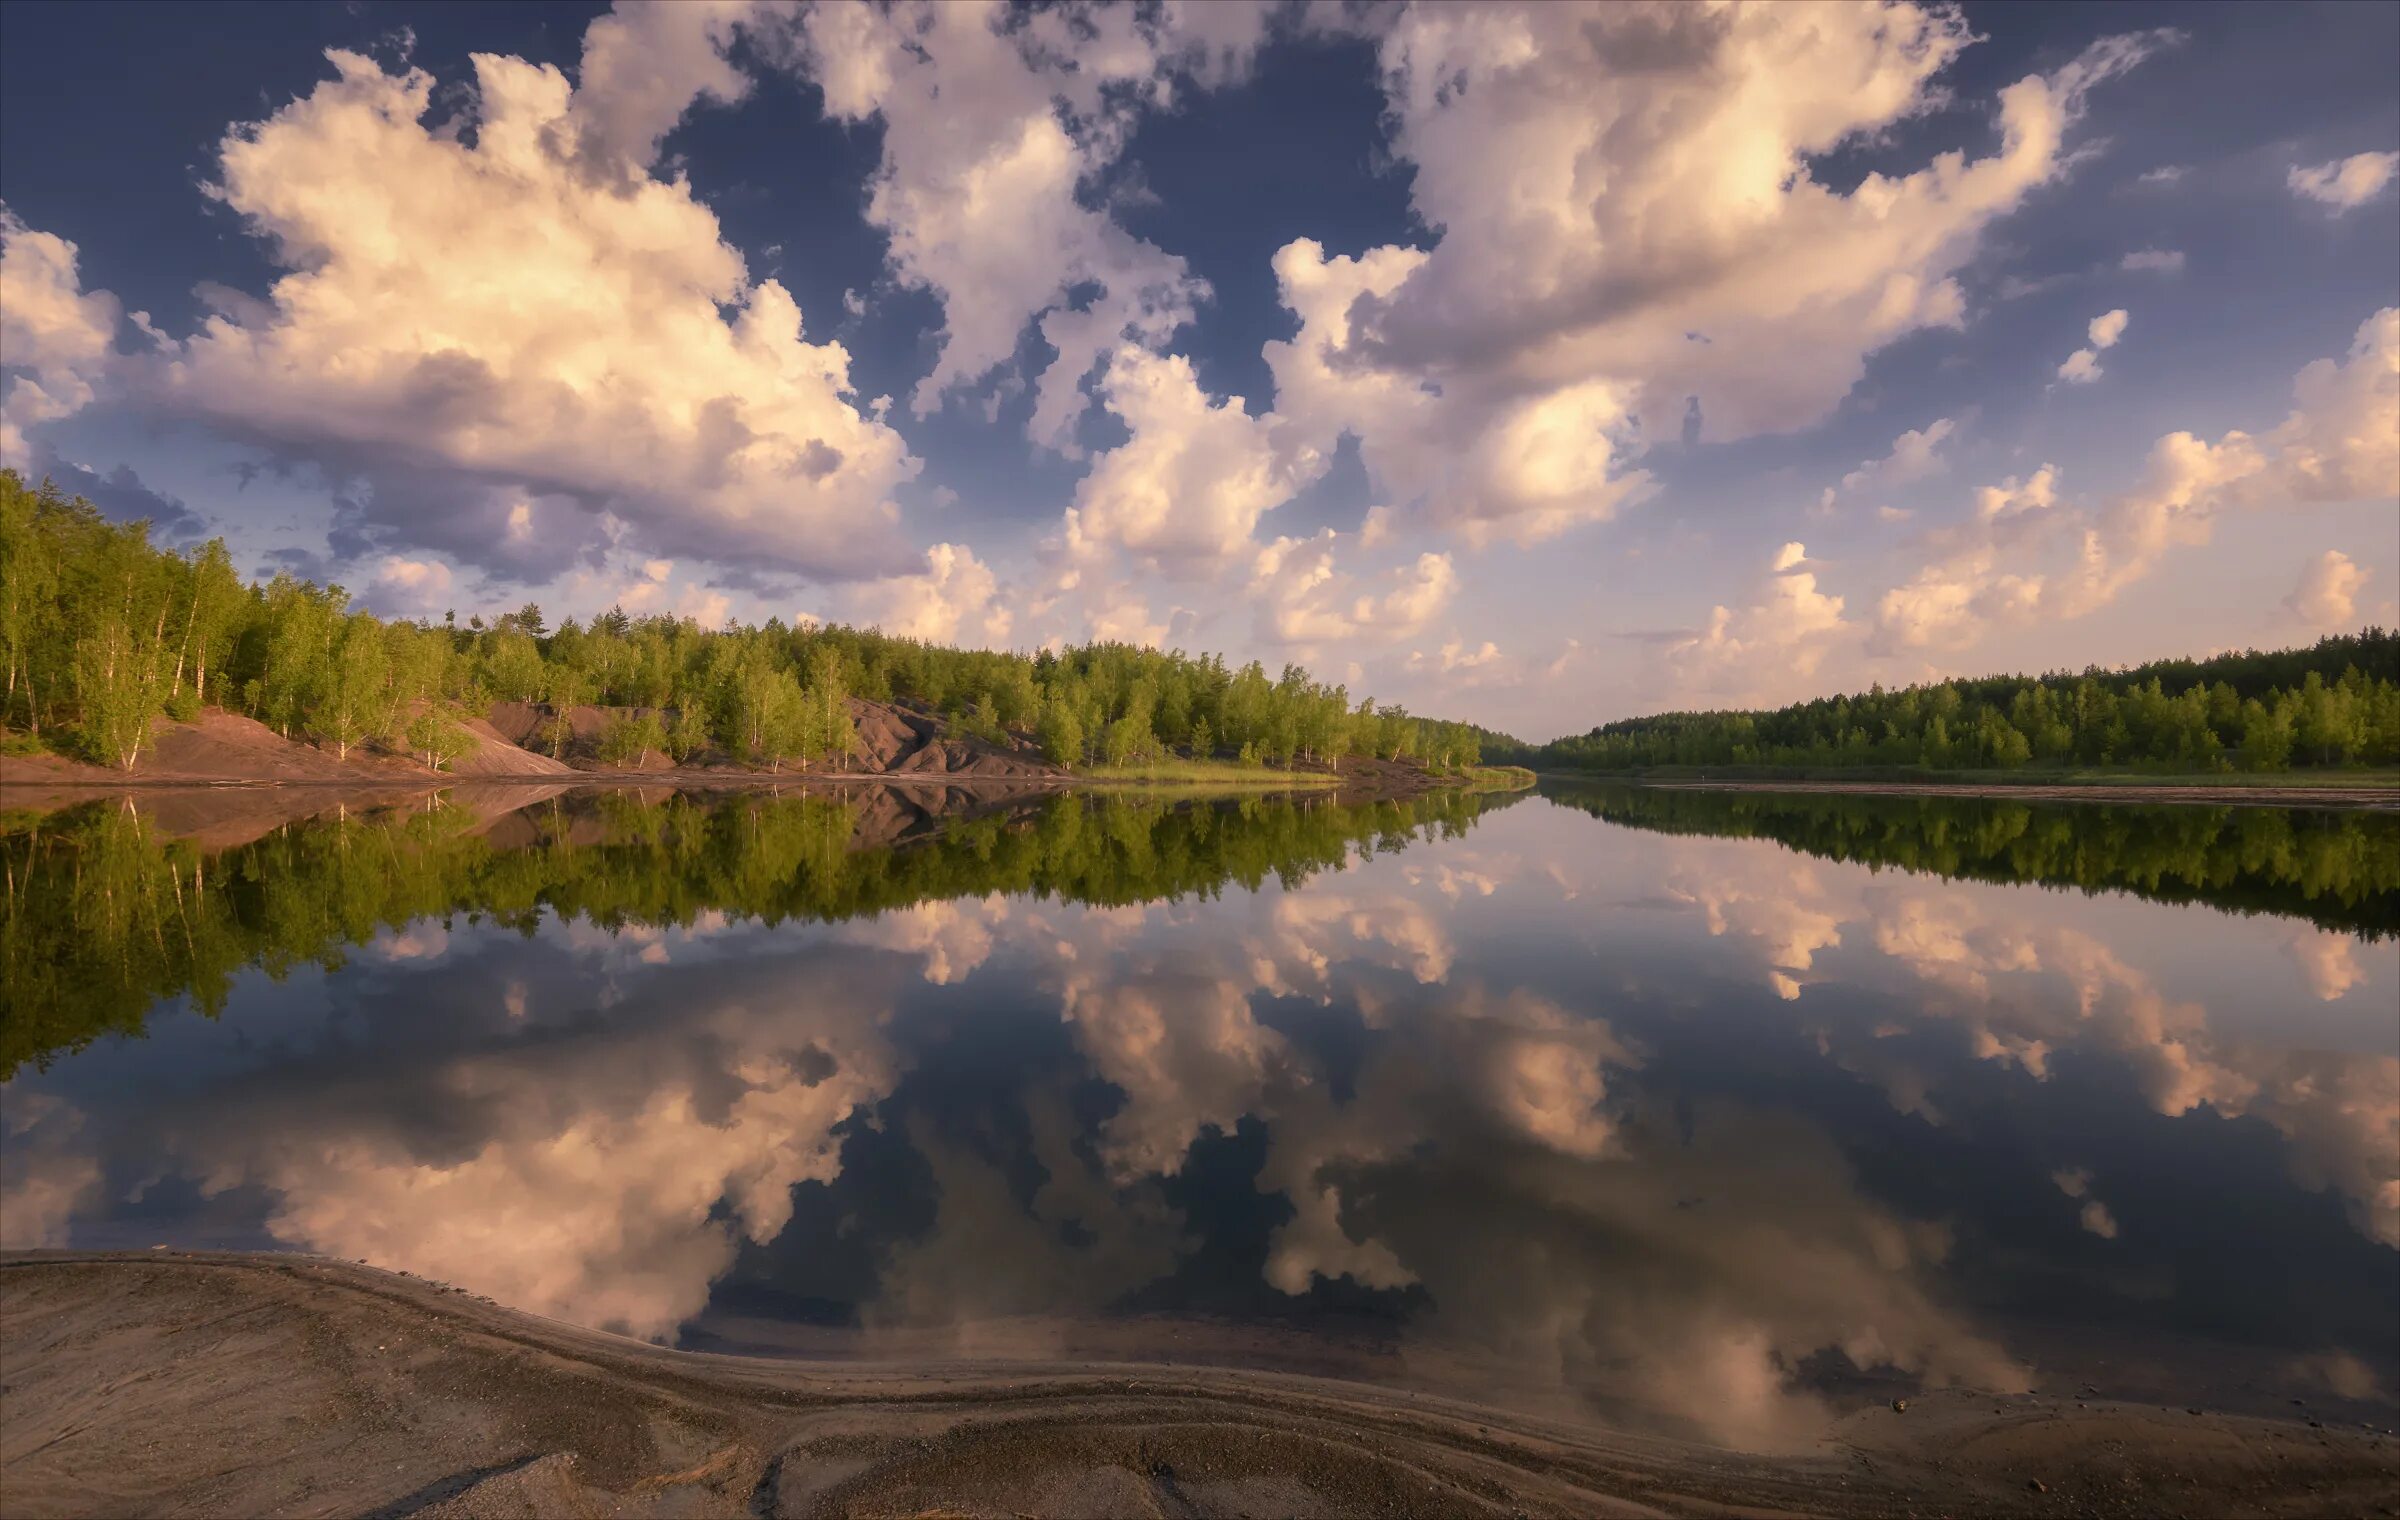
(1715,1113)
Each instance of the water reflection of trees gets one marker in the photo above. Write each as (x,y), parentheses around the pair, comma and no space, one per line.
(105,917)
(2339,870)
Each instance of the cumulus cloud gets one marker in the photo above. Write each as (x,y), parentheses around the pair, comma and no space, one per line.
(1914,455)
(1304,600)
(954,599)
(1787,630)
(434,332)
(1950,601)
(1122,617)
(56,339)
(409,587)
(993,122)
(2345,184)
(1454,655)
(1184,493)
(1627,220)
(2327,595)
(2083,366)
(644,66)
(2340,443)
(2153,261)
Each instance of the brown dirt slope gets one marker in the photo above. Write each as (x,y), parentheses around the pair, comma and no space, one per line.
(495,754)
(1385,778)
(220,747)
(256,1385)
(893,740)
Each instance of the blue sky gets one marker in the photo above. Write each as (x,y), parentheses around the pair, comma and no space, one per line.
(1535,365)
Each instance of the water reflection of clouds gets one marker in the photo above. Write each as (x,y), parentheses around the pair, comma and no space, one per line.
(600,1172)
(601,1124)
(2025,976)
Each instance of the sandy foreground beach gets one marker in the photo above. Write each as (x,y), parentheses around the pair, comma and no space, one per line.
(192,1384)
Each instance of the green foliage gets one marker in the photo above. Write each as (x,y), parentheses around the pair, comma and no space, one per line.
(631,738)
(1061,735)
(99,632)
(434,739)
(2335,703)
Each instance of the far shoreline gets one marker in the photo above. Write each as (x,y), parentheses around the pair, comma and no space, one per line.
(2376,796)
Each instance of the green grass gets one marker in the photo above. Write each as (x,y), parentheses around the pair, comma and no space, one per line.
(1500,778)
(1180,772)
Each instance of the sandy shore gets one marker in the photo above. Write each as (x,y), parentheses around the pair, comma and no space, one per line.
(165,1383)
(2378,797)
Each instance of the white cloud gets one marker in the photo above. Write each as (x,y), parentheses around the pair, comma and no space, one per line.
(2340,443)
(1303,600)
(2153,260)
(2164,174)
(1122,617)
(436,330)
(1454,655)
(1185,492)
(644,65)
(1914,455)
(1627,220)
(1786,632)
(2083,365)
(409,587)
(1949,601)
(993,122)
(56,340)
(2327,595)
(954,599)
(2345,184)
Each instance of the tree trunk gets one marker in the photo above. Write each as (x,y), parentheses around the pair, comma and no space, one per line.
(184,653)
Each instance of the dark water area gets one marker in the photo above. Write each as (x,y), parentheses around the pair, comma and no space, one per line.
(1717,1113)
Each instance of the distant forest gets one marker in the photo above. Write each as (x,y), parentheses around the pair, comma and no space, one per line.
(101,633)
(2335,703)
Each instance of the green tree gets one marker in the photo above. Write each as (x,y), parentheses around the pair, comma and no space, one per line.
(1061,734)
(630,738)
(435,740)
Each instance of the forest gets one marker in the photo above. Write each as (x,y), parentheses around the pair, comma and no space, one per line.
(2335,703)
(104,917)
(103,632)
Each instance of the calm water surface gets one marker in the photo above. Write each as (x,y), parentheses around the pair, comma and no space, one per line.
(1716,1113)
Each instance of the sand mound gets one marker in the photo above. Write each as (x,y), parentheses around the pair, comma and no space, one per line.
(494,754)
(219,744)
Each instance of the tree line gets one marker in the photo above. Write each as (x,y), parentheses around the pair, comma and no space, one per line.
(102,632)
(2334,703)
